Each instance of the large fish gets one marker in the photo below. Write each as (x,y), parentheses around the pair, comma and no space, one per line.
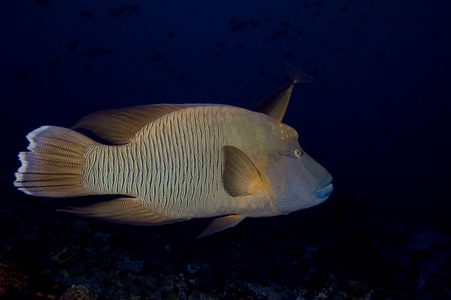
(172,163)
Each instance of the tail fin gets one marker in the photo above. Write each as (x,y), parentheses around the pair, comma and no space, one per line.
(53,166)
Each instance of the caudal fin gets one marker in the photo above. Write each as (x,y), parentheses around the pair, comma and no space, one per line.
(53,165)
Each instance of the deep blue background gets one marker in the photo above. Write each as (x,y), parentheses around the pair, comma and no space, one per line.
(377,115)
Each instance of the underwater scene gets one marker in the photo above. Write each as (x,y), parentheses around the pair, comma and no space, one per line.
(225,149)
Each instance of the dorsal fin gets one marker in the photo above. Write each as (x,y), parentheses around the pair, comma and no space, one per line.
(240,177)
(118,126)
(276,104)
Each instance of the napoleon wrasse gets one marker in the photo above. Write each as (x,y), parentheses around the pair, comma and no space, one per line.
(171,163)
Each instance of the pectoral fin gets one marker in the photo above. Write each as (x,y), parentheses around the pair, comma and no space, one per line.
(122,210)
(220,224)
(276,104)
(240,177)
(118,126)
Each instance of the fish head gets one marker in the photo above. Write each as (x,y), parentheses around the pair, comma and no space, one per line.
(297,181)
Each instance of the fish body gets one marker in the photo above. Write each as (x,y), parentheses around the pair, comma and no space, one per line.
(74,44)
(124,10)
(158,56)
(172,163)
(97,52)
(45,3)
(87,14)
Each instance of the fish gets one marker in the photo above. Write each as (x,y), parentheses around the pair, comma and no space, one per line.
(288,55)
(97,52)
(45,3)
(277,34)
(158,56)
(51,63)
(23,74)
(74,44)
(242,25)
(89,68)
(169,163)
(87,14)
(124,10)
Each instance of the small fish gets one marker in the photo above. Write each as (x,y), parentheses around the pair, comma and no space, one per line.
(97,52)
(51,63)
(170,34)
(171,70)
(220,45)
(89,68)
(45,3)
(124,10)
(288,55)
(277,34)
(172,163)
(23,74)
(286,24)
(181,77)
(242,25)
(74,44)
(158,56)
(87,14)
(218,53)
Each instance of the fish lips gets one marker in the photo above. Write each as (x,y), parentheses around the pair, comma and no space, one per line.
(324,189)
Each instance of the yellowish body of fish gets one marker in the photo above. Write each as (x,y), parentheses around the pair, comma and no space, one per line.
(172,163)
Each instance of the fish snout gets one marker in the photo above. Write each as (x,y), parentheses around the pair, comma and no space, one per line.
(324,189)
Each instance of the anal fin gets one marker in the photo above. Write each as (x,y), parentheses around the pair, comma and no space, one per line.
(220,224)
(122,210)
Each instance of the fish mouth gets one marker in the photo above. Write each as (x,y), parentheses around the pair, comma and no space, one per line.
(324,189)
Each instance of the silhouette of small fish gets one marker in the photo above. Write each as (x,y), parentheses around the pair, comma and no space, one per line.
(74,44)
(277,34)
(97,52)
(220,45)
(23,74)
(86,14)
(124,10)
(242,25)
(288,55)
(181,77)
(286,24)
(89,68)
(170,34)
(158,57)
(171,70)
(51,63)
(44,3)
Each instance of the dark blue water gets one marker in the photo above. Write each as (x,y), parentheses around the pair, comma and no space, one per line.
(377,116)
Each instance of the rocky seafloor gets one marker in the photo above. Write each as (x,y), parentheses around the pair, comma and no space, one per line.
(338,250)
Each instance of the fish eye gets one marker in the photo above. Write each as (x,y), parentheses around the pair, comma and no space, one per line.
(298,152)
